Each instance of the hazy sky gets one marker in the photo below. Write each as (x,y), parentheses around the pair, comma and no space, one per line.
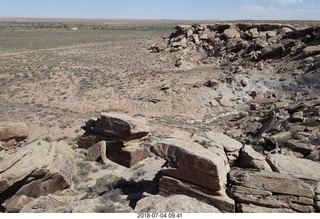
(164,9)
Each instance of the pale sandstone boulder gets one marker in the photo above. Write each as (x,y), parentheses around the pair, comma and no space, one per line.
(224,141)
(310,51)
(249,158)
(231,33)
(37,169)
(298,167)
(228,144)
(173,203)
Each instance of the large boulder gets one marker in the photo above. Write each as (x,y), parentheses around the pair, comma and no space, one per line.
(249,158)
(123,135)
(173,203)
(272,51)
(13,130)
(231,33)
(193,163)
(275,191)
(228,144)
(37,169)
(195,166)
(310,51)
(121,125)
(298,167)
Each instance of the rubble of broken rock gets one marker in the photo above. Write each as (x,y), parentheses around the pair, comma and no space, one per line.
(261,154)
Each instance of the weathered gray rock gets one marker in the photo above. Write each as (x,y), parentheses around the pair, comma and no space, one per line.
(280,137)
(173,203)
(297,117)
(272,51)
(182,42)
(225,101)
(314,155)
(273,190)
(37,169)
(184,65)
(310,51)
(229,145)
(298,167)
(271,33)
(196,39)
(301,147)
(231,33)
(249,158)
(13,130)
(253,33)
(159,45)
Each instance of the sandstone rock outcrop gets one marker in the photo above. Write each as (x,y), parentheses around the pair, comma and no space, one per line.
(298,167)
(243,41)
(174,204)
(37,169)
(197,170)
(249,158)
(123,135)
(270,191)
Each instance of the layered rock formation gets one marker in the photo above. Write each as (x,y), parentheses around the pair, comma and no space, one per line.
(194,169)
(37,169)
(264,191)
(243,41)
(123,134)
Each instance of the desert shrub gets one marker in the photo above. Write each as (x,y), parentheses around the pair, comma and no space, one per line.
(295,135)
(107,208)
(311,123)
(84,168)
(259,148)
(106,183)
(137,166)
(74,146)
(89,157)
(112,195)
(89,195)
(107,166)
(138,173)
